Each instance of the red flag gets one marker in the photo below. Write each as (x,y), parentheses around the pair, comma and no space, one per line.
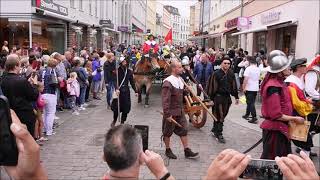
(168,36)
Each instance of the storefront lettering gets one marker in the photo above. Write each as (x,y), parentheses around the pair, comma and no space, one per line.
(270,17)
(231,23)
(53,7)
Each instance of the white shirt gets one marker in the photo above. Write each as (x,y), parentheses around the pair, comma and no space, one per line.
(311,79)
(252,73)
(296,80)
(175,81)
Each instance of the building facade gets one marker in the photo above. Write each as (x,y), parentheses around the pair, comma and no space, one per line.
(195,18)
(139,21)
(56,25)
(151,16)
(184,29)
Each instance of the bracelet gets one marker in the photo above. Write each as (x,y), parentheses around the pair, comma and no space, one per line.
(166,176)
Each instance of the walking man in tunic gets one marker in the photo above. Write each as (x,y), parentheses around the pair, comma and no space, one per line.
(172,103)
(221,85)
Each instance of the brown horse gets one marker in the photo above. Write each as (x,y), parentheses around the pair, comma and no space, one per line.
(144,74)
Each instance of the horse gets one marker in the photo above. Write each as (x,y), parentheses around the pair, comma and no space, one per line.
(144,74)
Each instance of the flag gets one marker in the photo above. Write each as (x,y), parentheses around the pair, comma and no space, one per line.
(168,36)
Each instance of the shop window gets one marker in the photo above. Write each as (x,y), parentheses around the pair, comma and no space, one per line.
(286,40)
(16,33)
(72,4)
(81,5)
(261,41)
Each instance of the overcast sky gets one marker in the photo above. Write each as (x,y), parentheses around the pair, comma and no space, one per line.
(182,5)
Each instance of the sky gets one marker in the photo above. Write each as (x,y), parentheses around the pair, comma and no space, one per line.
(182,5)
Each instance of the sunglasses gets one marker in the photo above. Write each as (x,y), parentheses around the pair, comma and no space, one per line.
(226,63)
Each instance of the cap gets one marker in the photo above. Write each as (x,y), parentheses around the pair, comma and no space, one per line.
(122,58)
(297,62)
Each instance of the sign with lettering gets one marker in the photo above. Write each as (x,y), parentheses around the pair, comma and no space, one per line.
(52,7)
(231,23)
(269,17)
(123,28)
(106,23)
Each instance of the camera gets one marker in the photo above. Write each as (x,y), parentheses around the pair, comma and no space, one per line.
(262,169)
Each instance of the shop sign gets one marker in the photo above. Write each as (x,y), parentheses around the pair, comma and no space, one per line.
(269,17)
(231,23)
(243,22)
(106,23)
(52,7)
(123,28)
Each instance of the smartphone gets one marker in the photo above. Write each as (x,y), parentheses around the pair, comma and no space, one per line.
(8,146)
(262,169)
(144,131)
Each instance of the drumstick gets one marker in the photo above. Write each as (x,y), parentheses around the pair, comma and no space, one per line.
(171,119)
(198,99)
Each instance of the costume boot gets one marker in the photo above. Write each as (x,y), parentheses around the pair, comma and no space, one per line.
(189,154)
(170,154)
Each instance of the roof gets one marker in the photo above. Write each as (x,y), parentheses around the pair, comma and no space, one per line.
(172,10)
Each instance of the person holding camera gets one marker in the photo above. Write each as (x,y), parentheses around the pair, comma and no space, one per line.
(20,92)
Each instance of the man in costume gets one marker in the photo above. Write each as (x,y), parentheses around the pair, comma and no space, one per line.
(275,94)
(221,85)
(150,44)
(125,76)
(172,103)
(301,105)
(312,89)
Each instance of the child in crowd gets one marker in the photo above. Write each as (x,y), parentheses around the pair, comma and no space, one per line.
(39,113)
(73,88)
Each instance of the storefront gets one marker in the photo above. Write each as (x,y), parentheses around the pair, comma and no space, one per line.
(109,35)
(286,27)
(231,27)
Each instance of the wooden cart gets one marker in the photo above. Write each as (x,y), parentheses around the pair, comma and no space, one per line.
(197,114)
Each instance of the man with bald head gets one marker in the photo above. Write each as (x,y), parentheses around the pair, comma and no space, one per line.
(19,91)
(172,103)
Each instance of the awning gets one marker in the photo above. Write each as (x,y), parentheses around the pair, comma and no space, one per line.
(214,35)
(263,28)
(282,24)
(229,30)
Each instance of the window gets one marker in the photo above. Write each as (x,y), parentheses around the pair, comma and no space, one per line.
(90,7)
(96,8)
(72,3)
(80,5)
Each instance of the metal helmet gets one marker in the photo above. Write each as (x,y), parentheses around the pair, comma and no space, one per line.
(278,61)
(185,61)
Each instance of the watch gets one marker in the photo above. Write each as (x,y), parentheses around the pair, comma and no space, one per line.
(166,176)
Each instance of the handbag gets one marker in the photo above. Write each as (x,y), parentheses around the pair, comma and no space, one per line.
(114,94)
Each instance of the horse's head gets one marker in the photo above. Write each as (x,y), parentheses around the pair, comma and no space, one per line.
(154,63)
(147,64)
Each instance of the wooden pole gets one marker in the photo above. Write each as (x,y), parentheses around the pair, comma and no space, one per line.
(200,101)
(171,119)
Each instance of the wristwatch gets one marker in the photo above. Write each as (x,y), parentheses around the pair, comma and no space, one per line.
(166,176)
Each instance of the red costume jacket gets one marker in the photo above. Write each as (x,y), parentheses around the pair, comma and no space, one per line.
(150,44)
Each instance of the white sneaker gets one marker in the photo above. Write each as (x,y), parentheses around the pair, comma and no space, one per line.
(56,117)
(76,113)
(85,105)
(43,139)
(81,108)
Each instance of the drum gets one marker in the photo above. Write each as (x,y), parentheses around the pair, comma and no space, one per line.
(299,132)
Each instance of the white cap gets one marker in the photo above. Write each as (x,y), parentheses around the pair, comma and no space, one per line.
(122,58)
(185,61)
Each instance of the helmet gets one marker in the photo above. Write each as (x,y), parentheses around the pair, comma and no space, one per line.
(278,61)
(185,61)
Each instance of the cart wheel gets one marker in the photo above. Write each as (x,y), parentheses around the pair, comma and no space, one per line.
(199,118)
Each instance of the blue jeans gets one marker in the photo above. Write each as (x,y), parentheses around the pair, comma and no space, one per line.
(110,89)
(82,96)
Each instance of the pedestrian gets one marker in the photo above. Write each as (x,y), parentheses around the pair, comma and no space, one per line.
(20,92)
(109,69)
(73,88)
(88,67)
(82,77)
(202,72)
(172,104)
(275,94)
(62,76)
(49,78)
(236,69)
(125,76)
(5,47)
(222,84)
(96,75)
(40,104)
(301,105)
(251,88)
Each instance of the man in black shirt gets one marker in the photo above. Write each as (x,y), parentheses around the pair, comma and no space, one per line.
(109,69)
(221,85)
(19,92)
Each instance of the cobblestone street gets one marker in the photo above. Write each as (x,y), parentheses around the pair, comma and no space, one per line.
(75,152)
